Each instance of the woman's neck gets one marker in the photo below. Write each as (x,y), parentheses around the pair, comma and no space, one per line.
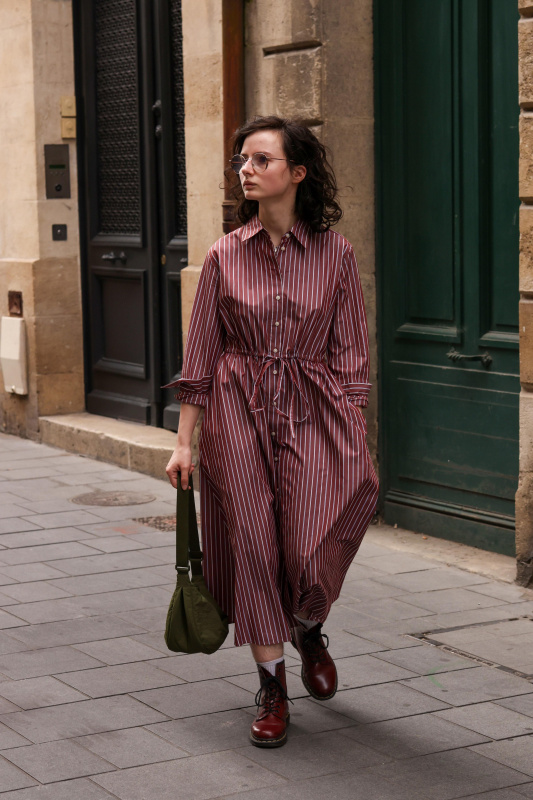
(277,221)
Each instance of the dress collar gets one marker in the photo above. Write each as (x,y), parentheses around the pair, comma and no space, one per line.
(300,230)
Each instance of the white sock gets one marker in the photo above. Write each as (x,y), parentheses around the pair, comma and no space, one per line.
(307,623)
(271,665)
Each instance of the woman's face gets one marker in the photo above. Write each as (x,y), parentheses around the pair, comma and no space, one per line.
(278,181)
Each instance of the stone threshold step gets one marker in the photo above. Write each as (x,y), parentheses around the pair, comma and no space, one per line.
(140,448)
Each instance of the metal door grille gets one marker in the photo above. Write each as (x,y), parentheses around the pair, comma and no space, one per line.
(178,117)
(117,118)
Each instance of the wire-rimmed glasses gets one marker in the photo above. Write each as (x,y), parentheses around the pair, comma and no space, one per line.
(259,161)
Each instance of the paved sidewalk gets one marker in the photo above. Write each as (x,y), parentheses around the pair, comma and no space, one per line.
(435,662)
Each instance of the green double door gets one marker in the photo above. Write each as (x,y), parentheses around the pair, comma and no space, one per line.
(447,206)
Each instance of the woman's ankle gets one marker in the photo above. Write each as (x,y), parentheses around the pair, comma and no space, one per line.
(266,652)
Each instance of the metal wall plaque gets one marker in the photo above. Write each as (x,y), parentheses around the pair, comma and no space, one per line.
(57,170)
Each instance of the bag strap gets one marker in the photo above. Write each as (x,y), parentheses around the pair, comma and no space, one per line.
(187,541)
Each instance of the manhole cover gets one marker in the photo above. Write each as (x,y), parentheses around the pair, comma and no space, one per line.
(113,499)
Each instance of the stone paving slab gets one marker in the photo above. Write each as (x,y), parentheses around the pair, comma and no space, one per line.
(82,718)
(132,747)
(195,778)
(55,634)
(316,754)
(516,753)
(490,719)
(94,706)
(413,736)
(124,650)
(54,761)
(467,686)
(39,692)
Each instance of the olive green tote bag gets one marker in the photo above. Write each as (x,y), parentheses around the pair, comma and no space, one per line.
(195,623)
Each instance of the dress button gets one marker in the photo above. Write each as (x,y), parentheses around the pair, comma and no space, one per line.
(272,433)
(278,297)
(283,248)
(276,324)
(275,371)
(274,403)
(275,349)
(276,458)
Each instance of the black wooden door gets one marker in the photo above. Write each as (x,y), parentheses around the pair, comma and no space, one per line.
(132,203)
(447,154)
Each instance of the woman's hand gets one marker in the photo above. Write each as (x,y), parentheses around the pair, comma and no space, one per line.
(180,466)
(181,460)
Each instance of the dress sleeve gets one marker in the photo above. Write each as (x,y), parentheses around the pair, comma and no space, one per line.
(348,338)
(205,339)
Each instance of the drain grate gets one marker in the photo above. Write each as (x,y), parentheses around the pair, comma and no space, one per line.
(162,523)
(113,499)
(159,523)
(504,644)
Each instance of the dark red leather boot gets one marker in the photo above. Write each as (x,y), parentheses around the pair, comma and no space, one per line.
(319,674)
(269,728)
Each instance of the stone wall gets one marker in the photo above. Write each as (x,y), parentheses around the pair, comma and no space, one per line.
(204,139)
(524,496)
(36,69)
(313,59)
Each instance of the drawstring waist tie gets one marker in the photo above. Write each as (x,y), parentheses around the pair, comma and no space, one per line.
(286,362)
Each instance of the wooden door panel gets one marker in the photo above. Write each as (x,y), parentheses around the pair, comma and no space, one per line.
(457,441)
(447,155)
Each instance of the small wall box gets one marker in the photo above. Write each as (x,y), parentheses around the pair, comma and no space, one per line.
(13,355)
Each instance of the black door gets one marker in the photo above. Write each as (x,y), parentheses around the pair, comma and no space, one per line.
(131,154)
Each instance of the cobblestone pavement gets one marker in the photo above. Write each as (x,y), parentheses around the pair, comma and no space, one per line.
(435,664)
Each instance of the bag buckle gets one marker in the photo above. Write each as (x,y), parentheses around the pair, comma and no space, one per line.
(181,569)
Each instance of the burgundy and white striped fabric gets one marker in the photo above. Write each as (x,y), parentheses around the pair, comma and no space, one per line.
(277,352)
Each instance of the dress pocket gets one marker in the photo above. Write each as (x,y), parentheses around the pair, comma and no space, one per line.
(356,415)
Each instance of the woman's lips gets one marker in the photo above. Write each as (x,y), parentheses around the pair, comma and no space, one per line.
(248,185)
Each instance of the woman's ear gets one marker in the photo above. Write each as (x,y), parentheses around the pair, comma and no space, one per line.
(298,173)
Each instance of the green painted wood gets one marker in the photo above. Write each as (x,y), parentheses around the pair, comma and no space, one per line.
(447,202)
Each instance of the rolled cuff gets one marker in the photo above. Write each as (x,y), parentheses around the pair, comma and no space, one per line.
(358,399)
(191,390)
(357,393)
(193,398)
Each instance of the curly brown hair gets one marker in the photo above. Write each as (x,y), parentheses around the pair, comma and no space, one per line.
(316,197)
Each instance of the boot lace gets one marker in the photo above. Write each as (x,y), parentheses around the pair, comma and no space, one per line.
(274,695)
(313,642)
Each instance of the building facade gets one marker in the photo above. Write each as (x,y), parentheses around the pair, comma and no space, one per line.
(418,104)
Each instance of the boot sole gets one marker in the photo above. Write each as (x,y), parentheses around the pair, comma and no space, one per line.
(279,742)
(306,685)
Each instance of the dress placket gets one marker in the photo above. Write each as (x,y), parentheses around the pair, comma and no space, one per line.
(277,337)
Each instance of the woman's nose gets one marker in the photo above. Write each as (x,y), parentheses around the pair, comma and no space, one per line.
(247,167)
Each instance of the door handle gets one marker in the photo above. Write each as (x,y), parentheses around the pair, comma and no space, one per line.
(485,358)
(113,257)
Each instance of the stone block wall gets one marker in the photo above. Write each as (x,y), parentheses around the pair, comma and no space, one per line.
(204,139)
(36,69)
(524,496)
(313,59)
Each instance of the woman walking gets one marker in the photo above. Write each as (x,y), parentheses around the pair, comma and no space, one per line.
(277,353)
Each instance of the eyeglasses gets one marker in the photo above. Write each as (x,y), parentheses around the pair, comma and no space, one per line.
(259,162)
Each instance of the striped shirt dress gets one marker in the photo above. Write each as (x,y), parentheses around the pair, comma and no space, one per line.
(277,353)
